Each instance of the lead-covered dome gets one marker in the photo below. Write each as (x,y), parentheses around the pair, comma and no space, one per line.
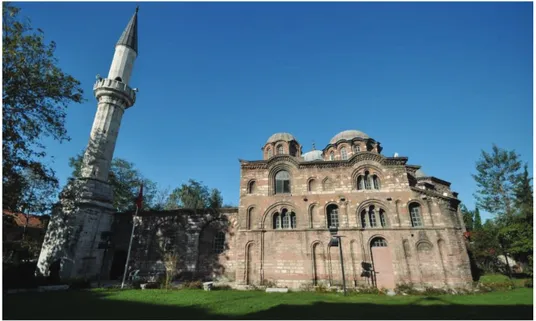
(348,135)
(420,173)
(281,136)
(313,155)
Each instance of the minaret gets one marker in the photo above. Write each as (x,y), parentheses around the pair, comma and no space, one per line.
(76,228)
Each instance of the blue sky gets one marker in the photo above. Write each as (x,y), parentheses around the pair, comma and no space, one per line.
(436,82)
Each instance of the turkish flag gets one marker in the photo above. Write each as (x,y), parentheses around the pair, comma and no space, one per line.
(139,199)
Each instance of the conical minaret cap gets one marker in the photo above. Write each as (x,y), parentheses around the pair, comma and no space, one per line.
(129,37)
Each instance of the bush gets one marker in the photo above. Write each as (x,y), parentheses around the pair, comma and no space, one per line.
(322,288)
(268,284)
(78,283)
(406,288)
(528,283)
(192,285)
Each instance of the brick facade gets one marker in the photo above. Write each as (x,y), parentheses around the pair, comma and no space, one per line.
(380,206)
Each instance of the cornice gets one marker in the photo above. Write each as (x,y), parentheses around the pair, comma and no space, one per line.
(434,194)
(356,158)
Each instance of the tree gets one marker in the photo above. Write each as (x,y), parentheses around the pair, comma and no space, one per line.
(194,195)
(467,217)
(496,178)
(35,94)
(524,196)
(125,180)
(477,220)
(215,200)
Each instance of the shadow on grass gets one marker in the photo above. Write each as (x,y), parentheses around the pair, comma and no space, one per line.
(369,311)
(97,305)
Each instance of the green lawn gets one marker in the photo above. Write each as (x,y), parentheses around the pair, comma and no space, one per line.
(198,304)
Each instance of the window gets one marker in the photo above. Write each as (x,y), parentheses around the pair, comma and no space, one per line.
(372,217)
(282,182)
(332,156)
(360,182)
(279,149)
(285,219)
(269,152)
(219,242)
(344,155)
(292,220)
(378,242)
(333,215)
(415,214)
(376,182)
(312,185)
(251,187)
(382,218)
(356,148)
(277,222)
(367,180)
(364,219)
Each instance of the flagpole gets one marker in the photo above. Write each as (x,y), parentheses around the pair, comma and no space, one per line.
(129,247)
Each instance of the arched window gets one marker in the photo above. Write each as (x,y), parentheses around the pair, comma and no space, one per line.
(383,222)
(312,185)
(292,220)
(415,214)
(378,242)
(269,152)
(356,148)
(376,182)
(332,156)
(279,149)
(219,243)
(372,217)
(251,187)
(119,79)
(333,215)
(344,155)
(282,182)
(277,222)
(360,182)
(285,219)
(367,180)
(364,218)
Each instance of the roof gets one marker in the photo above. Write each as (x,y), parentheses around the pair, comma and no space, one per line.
(281,136)
(348,135)
(313,155)
(129,37)
(20,219)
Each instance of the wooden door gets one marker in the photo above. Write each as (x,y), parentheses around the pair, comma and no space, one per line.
(383,264)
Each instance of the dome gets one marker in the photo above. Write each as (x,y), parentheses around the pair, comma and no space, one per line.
(348,135)
(313,155)
(281,136)
(420,173)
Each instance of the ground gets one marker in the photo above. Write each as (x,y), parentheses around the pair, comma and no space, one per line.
(227,304)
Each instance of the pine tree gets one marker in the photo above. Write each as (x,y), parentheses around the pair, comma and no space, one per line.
(477,220)
(524,196)
(496,178)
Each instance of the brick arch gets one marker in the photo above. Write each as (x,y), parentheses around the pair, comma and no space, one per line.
(423,207)
(326,180)
(325,211)
(251,186)
(379,204)
(310,213)
(387,240)
(318,262)
(276,207)
(252,221)
(250,263)
(309,181)
(283,166)
(373,169)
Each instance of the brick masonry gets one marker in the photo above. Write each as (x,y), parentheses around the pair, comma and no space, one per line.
(429,254)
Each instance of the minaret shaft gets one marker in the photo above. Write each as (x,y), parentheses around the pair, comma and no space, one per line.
(76,228)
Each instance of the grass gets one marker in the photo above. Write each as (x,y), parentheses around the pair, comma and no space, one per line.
(501,278)
(198,304)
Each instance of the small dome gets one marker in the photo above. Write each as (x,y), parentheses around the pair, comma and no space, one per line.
(281,136)
(348,135)
(313,155)
(420,173)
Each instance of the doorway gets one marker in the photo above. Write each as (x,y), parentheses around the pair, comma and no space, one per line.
(382,263)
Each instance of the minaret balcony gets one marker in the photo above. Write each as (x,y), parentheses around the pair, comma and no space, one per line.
(110,87)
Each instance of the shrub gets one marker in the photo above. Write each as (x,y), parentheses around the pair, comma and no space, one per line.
(322,288)
(193,285)
(528,283)
(268,283)
(78,283)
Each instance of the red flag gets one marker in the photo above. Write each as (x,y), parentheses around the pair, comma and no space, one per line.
(139,199)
